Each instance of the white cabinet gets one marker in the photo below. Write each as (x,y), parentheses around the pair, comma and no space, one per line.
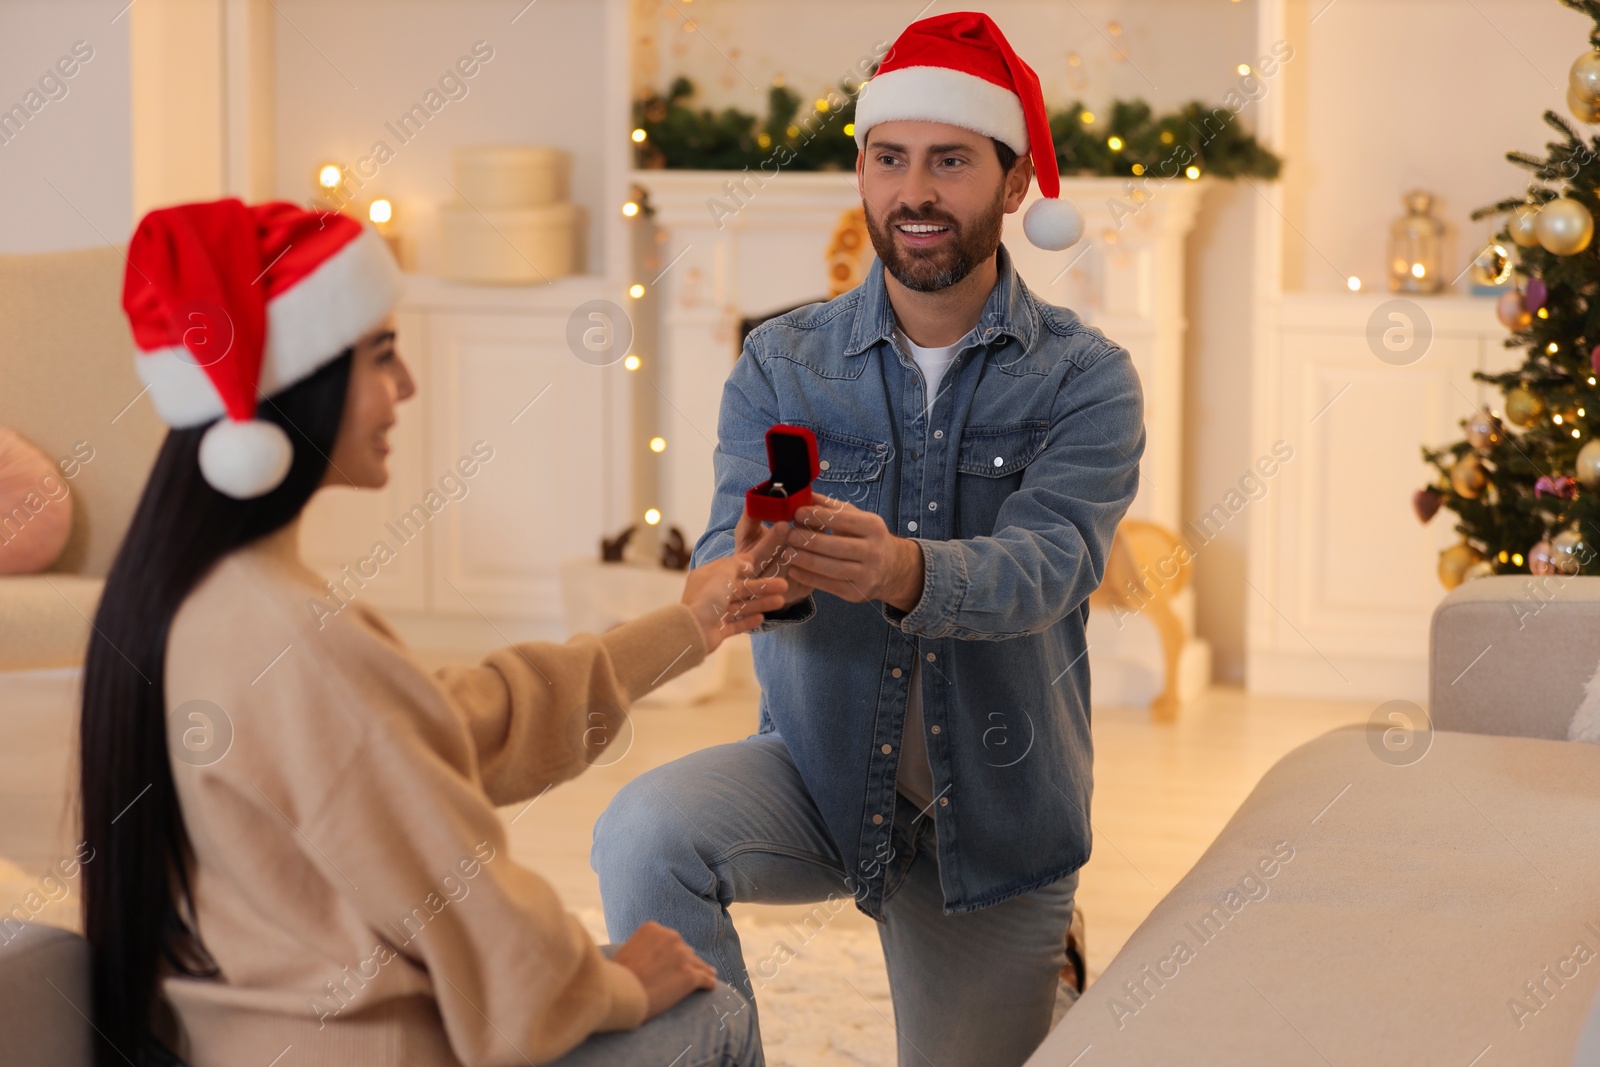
(1342,572)
(511,458)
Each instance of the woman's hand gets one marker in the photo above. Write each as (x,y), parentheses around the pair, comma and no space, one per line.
(666,966)
(727,598)
(769,547)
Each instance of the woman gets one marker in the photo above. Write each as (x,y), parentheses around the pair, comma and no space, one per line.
(293,825)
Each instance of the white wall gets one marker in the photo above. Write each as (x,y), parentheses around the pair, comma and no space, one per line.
(1388,96)
(78,143)
(345,70)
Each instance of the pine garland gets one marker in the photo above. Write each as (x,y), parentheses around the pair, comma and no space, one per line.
(680,137)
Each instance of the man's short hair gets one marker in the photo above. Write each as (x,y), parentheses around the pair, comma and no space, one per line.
(1007,154)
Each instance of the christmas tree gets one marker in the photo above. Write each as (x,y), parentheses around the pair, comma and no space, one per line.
(1526,487)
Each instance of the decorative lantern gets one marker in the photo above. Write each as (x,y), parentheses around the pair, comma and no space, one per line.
(1416,247)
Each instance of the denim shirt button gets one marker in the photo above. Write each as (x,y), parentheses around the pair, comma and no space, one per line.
(938,433)
(935,727)
(933,505)
(931,657)
(887,749)
(944,802)
(824,465)
(877,820)
(912,525)
(896,672)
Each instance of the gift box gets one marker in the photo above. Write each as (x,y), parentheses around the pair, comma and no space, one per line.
(792,462)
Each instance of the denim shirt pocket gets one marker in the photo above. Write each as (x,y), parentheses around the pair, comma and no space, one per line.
(990,466)
(850,468)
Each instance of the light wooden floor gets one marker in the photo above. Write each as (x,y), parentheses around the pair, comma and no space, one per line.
(1162,792)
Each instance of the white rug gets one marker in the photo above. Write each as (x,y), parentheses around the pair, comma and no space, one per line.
(827,1004)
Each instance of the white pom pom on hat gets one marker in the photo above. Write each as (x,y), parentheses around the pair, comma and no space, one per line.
(1053,224)
(959,69)
(231,302)
(245,459)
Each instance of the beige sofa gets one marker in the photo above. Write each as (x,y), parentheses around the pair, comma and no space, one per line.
(67,383)
(1366,906)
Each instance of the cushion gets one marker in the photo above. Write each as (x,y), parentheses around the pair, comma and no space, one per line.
(35,507)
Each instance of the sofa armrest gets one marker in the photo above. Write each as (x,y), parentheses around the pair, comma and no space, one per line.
(1512,654)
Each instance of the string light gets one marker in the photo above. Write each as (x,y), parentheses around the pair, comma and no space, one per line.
(1552,348)
(1353,283)
(652,516)
(636,290)
(1544,313)
(1086,117)
(632,362)
(1556,419)
(849,129)
(380,212)
(1166,137)
(639,136)
(1114,143)
(630,209)
(1418,270)
(1516,559)
(1243,68)
(1192,172)
(329,175)
(658,444)
(1138,168)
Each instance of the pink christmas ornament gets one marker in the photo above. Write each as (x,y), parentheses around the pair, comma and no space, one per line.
(1425,502)
(1536,295)
(1563,487)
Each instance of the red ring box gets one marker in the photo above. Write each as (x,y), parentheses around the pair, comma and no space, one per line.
(792,460)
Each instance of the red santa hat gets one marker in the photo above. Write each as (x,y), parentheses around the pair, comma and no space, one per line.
(959,69)
(229,303)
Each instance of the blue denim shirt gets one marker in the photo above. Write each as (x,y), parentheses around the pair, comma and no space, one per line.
(1014,483)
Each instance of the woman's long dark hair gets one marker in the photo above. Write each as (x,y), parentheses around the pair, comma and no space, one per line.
(137,899)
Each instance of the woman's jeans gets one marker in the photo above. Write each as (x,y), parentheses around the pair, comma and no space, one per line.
(735,823)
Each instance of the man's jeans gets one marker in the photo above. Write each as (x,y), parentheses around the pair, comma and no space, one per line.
(704,1029)
(735,823)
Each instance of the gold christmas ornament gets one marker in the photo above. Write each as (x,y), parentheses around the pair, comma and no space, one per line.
(1492,264)
(1588,465)
(1453,564)
(1565,227)
(1524,225)
(1567,552)
(1585,111)
(1467,476)
(1523,408)
(1484,431)
(1583,79)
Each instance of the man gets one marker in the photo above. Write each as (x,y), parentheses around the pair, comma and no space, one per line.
(924,743)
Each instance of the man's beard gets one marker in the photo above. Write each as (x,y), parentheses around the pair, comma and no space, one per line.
(929,270)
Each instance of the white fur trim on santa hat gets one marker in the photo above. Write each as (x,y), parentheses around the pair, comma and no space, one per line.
(941,94)
(308,325)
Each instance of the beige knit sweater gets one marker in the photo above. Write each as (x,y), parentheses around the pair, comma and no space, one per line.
(352,879)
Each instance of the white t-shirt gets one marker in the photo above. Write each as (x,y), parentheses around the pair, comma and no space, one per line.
(914,778)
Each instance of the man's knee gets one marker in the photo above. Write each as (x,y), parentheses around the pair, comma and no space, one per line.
(639,830)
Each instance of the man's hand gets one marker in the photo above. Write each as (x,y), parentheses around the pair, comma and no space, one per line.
(838,548)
